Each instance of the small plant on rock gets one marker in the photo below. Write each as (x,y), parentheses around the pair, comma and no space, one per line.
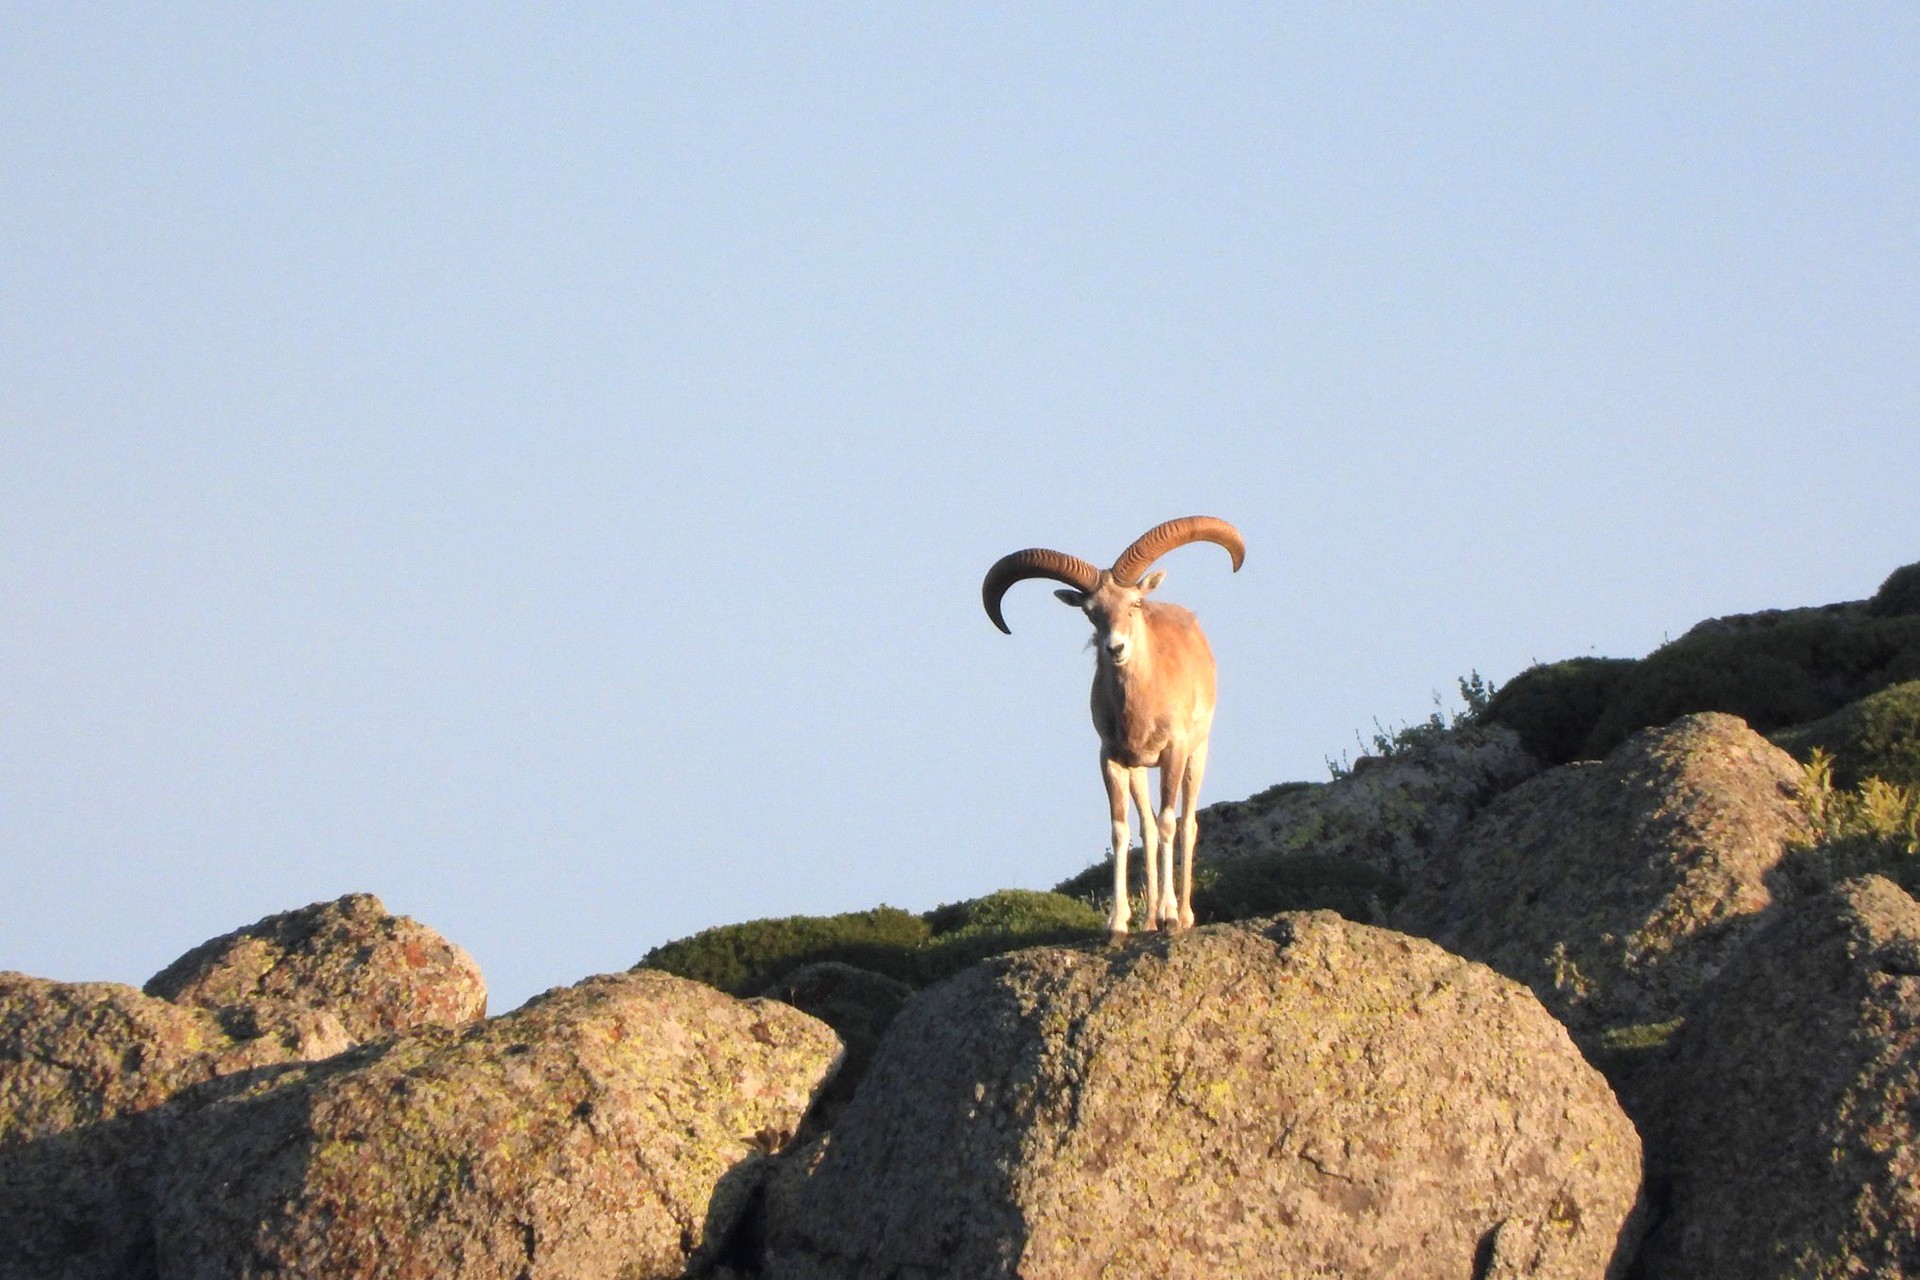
(1870,829)
(1476,692)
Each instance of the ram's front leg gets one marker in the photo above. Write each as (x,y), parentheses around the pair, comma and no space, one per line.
(1157,886)
(1115,775)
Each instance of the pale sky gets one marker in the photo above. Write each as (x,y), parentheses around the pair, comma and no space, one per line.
(538,466)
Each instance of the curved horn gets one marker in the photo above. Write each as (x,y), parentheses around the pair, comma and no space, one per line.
(1162,538)
(1034,562)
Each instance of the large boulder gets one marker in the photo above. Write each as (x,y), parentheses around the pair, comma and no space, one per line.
(377,972)
(78,1053)
(1786,1134)
(612,1129)
(1389,814)
(1288,1097)
(1617,889)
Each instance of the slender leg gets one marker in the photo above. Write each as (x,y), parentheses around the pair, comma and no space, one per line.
(1115,775)
(1173,770)
(1156,887)
(1190,828)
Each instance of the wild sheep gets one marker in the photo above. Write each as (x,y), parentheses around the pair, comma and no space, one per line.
(1153,698)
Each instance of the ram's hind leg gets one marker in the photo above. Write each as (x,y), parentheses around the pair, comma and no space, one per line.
(1158,887)
(1173,769)
(1189,830)
(1115,776)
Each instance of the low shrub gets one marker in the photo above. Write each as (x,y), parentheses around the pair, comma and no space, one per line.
(751,958)
(1260,885)
(1771,677)
(1264,885)
(1094,885)
(1899,595)
(1476,694)
(964,933)
(1554,706)
(1870,829)
(1022,912)
(1876,737)
(745,959)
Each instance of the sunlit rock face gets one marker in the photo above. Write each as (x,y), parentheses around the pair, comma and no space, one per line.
(1617,889)
(613,1130)
(1296,1096)
(379,973)
(1390,813)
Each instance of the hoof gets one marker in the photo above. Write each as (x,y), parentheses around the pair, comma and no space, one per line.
(1116,937)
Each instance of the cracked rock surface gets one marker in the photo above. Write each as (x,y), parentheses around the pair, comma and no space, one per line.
(1290,1097)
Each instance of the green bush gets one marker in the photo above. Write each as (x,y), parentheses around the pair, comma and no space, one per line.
(1876,737)
(1093,887)
(744,959)
(1023,912)
(1899,595)
(1555,705)
(747,959)
(1476,693)
(964,933)
(1772,677)
(1264,885)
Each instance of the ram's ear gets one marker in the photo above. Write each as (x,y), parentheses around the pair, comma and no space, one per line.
(1068,596)
(1152,580)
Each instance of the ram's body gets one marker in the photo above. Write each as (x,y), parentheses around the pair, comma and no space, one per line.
(1153,700)
(1163,697)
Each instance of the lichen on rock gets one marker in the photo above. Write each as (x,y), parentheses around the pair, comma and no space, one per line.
(379,973)
(1617,889)
(1389,814)
(1785,1131)
(77,1053)
(1296,1096)
(614,1129)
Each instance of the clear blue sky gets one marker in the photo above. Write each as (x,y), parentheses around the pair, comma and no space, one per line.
(538,465)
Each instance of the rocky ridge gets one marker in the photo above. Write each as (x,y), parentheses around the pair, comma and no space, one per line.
(1579,956)
(1616,889)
